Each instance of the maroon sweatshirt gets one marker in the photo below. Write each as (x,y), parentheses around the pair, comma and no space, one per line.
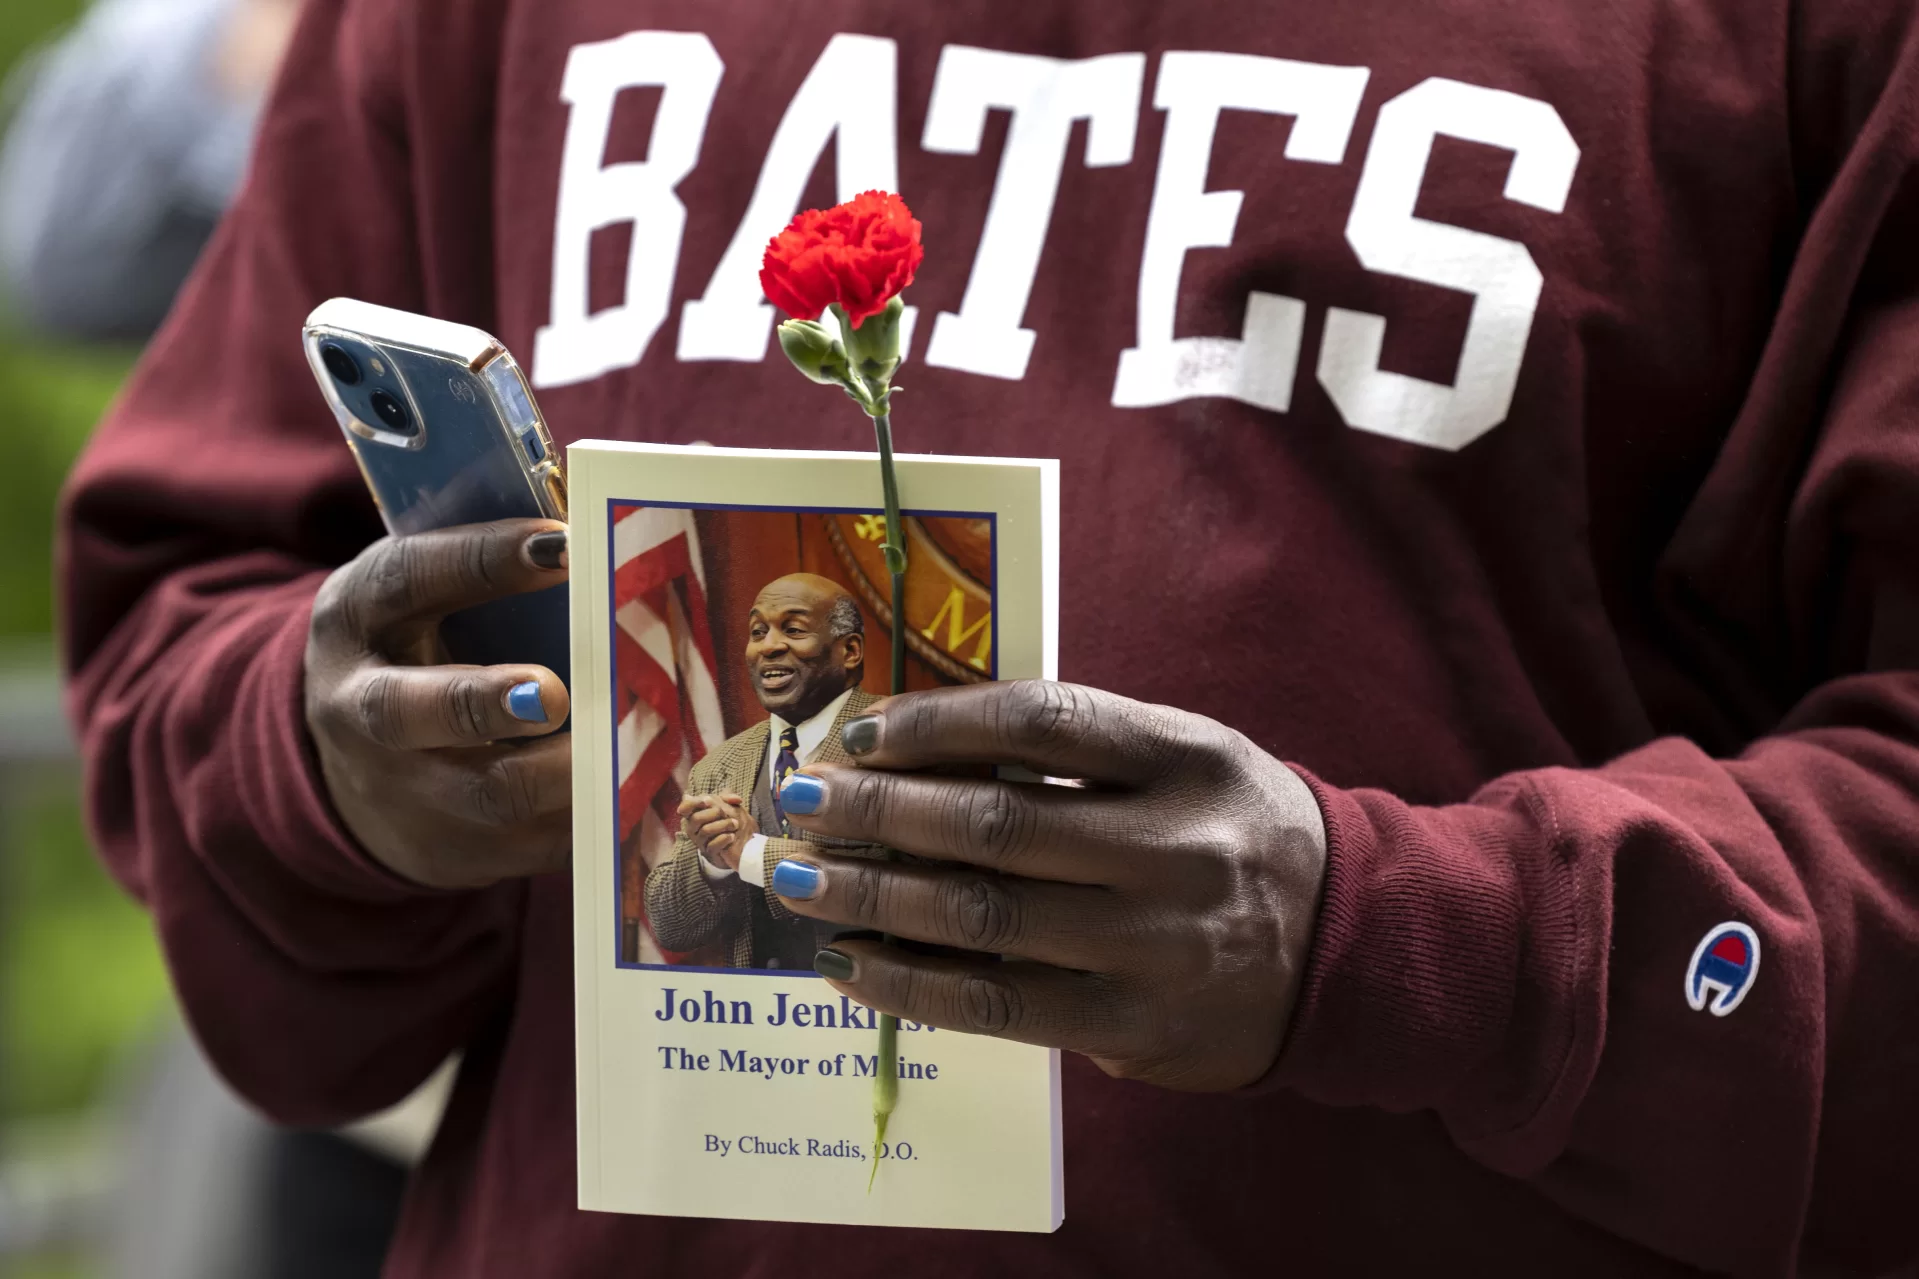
(1505,411)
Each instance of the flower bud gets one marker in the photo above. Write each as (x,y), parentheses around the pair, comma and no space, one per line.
(814,351)
(874,347)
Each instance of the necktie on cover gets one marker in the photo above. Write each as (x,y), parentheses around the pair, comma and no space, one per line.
(784,767)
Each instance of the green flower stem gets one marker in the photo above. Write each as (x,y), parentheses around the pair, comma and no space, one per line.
(862,363)
(886,1089)
(894,547)
(886,1084)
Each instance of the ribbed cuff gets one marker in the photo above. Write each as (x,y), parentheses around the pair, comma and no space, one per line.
(1415,963)
(277,772)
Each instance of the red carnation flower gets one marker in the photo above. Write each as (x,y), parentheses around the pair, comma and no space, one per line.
(858,254)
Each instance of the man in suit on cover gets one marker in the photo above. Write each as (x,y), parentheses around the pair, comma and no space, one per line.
(805,654)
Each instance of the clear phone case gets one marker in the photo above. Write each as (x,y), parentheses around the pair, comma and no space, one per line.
(446,433)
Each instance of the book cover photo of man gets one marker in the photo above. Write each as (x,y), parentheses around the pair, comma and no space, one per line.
(805,658)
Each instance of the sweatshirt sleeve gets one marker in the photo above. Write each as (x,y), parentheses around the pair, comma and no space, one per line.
(194,532)
(1546,966)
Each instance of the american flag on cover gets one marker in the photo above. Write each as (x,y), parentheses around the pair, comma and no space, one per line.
(665,696)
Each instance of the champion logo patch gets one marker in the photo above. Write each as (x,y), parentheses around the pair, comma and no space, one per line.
(1723,967)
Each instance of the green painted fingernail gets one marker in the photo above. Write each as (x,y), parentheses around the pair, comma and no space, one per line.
(836,964)
(547,550)
(861,734)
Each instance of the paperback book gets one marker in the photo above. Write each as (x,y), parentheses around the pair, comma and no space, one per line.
(718,1075)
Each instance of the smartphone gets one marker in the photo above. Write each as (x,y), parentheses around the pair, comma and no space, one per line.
(446,432)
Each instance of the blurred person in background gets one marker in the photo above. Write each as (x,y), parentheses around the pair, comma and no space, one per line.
(129,140)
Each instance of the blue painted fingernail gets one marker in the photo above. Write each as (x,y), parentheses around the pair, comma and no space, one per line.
(803,794)
(523,702)
(797,880)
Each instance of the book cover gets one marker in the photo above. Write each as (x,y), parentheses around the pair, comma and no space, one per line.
(718,1075)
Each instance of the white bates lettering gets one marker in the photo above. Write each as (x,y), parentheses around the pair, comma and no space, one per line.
(733,320)
(1045,96)
(1258,366)
(1500,274)
(574,346)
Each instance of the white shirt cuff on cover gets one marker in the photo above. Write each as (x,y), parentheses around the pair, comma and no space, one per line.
(753,861)
(752,864)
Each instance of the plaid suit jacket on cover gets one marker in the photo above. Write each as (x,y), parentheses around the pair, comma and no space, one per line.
(687,909)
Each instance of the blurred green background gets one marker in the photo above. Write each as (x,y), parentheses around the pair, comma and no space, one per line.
(80,979)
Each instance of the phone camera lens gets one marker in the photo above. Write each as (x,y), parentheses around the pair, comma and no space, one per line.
(393,413)
(341,365)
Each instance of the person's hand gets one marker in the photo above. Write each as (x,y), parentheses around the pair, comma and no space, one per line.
(1156,919)
(418,755)
(252,40)
(719,826)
